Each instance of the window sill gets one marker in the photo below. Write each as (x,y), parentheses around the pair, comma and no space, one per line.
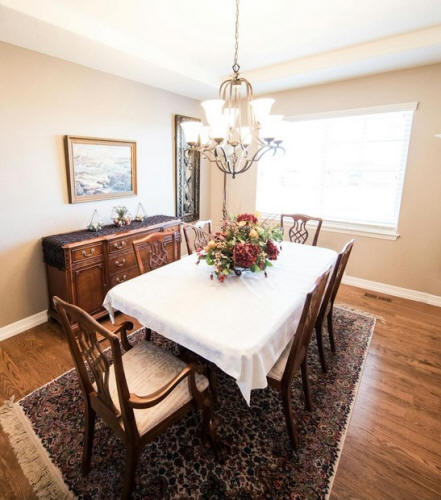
(367,230)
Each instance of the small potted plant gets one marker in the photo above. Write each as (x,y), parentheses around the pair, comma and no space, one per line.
(121,216)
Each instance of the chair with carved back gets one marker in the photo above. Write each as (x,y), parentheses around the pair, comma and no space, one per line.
(294,358)
(327,306)
(138,393)
(151,253)
(197,235)
(298,232)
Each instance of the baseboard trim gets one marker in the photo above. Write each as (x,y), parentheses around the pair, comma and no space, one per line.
(396,291)
(23,324)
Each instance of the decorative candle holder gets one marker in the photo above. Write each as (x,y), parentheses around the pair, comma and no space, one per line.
(140,213)
(95,223)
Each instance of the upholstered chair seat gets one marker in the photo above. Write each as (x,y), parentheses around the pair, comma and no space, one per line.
(148,368)
(278,369)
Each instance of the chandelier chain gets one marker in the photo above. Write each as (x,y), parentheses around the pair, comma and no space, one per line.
(236,66)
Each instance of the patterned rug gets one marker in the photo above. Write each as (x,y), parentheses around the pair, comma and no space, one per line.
(178,465)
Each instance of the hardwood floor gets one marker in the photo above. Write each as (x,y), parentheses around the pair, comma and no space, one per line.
(393,444)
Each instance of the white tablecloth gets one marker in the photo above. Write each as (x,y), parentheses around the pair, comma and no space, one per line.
(241,325)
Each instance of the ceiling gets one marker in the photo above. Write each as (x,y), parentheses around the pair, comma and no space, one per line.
(187,46)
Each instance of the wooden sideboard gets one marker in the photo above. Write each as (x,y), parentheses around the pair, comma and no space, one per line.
(88,268)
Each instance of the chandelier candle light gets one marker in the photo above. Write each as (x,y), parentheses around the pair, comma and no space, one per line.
(240,128)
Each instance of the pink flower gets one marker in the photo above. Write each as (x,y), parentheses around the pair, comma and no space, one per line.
(247,218)
(272,250)
(245,254)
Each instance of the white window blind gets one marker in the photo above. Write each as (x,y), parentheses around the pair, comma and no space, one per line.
(346,168)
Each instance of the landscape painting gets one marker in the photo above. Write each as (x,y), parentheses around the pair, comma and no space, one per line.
(100,168)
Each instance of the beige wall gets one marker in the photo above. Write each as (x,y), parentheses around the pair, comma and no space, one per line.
(41,100)
(414,260)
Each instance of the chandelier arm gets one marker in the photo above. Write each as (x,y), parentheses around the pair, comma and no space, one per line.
(260,152)
(246,167)
(224,165)
(208,155)
(212,157)
(227,163)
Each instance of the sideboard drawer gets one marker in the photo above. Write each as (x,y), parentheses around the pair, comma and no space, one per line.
(87,252)
(121,261)
(122,276)
(120,244)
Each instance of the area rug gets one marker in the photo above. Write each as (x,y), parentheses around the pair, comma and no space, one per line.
(46,431)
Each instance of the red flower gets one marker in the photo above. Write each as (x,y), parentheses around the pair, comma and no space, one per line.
(272,250)
(247,218)
(245,254)
(221,278)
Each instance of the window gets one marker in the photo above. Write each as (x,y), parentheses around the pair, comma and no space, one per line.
(346,168)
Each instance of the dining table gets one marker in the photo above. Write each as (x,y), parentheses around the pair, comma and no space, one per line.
(241,325)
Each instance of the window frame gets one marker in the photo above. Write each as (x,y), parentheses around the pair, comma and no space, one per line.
(389,232)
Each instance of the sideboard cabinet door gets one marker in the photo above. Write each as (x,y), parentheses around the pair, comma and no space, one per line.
(90,288)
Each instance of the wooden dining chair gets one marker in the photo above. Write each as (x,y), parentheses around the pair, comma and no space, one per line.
(293,358)
(298,232)
(197,235)
(327,306)
(151,251)
(139,395)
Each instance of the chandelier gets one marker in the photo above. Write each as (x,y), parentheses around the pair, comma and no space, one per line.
(240,129)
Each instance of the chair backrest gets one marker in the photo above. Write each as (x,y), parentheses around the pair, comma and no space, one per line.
(298,232)
(93,364)
(151,251)
(305,328)
(339,269)
(197,235)
(335,279)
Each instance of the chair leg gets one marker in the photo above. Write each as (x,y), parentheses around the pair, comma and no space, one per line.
(211,372)
(210,433)
(89,429)
(306,388)
(148,334)
(132,455)
(289,417)
(319,335)
(331,329)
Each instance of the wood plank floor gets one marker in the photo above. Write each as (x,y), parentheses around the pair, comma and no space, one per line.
(393,444)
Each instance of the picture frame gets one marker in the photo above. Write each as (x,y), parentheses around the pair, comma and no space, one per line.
(187,174)
(100,169)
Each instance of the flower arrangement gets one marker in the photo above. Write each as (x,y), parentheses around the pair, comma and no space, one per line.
(244,243)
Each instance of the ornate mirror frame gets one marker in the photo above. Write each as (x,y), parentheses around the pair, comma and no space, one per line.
(187,174)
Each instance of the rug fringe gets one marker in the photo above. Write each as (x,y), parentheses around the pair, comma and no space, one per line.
(352,405)
(45,478)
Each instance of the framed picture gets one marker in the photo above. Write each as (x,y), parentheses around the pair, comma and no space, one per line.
(99,169)
(187,174)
